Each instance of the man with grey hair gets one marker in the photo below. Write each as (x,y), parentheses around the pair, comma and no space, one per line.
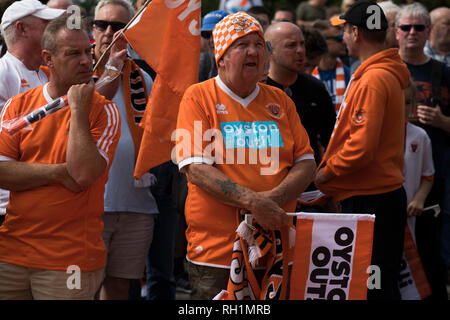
(130,207)
(432,80)
(438,46)
(22,25)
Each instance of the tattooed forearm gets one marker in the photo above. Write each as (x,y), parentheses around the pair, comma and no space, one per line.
(229,188)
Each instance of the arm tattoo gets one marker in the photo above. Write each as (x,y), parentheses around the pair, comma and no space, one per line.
(229,187)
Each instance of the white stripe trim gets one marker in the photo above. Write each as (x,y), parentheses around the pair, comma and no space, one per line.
(105,132)
(307,156)
(243,101)
(191,160)
(5,107)
(5,158)
(334,216)
(208,264)
(115,124)
(104,155)
(111,129)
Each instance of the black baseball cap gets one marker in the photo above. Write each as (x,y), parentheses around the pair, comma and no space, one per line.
(366,14)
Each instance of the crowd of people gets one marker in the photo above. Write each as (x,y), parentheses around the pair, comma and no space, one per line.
(325,100)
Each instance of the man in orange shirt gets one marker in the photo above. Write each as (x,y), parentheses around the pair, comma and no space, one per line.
(363,164)
(56,173)
(250,122)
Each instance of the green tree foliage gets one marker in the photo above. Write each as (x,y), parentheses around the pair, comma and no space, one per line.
(211,5)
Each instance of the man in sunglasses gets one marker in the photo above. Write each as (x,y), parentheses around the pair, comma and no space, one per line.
(432,81)
(334,74)
(129,210)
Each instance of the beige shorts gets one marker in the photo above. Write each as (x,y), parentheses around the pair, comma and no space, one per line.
(23,283)
(127,238)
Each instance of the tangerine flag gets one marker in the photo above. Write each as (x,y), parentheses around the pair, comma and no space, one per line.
(412,282)
(332,254)
(167,36)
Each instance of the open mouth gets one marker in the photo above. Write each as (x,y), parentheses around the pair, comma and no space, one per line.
(250,64)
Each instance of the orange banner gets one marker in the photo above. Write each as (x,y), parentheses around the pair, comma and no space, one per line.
(332,254)
(167,36)
(413,282)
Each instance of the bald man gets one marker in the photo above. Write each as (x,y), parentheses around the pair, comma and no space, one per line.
(438,45)
(310,96)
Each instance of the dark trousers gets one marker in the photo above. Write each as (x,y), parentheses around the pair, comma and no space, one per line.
(389,232)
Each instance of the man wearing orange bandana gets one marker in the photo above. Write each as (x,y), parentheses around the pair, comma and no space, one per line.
(244,150)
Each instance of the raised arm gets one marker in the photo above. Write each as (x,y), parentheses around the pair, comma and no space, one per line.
(84,162)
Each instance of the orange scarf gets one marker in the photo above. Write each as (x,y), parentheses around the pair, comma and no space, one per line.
(339,87)
(135,97)
(273,248)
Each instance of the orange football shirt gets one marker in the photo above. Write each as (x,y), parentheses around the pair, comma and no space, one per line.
(51,227)
(247,134)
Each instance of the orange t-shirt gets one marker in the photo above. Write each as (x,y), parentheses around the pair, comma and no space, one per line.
(247,129)
(51,227)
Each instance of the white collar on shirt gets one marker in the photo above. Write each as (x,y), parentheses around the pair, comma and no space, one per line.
(243,101)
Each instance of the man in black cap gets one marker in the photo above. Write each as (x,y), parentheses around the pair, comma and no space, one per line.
(362,167)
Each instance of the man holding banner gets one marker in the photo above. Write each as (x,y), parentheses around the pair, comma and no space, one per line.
(362,167)
(265,165)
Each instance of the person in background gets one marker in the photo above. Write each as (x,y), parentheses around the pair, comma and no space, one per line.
(130,209)
(23,24)
(363,163)
(334,74)
(310,11)
(432,80)
(438,46)
(207,67)
(262,14)
(315,47)
(286,14)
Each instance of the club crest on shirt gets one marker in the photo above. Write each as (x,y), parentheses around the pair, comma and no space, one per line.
(275,110)
(359,116)
(413,146)
(242,23)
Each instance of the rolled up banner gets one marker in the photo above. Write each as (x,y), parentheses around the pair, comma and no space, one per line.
(18,124)
(331,257)
(413,282)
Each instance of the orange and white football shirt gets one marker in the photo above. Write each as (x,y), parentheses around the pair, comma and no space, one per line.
(247,134)
(51,227)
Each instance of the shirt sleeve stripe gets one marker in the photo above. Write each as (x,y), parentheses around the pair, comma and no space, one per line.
(115,112)
(111,129)
(4,112)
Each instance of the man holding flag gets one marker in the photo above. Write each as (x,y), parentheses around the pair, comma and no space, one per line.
(247,118)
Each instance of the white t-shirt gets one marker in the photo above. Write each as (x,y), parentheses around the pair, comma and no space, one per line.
(15,78)
(418,159)
(418,164)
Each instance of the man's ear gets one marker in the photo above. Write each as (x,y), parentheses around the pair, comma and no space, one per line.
(47,58)
(20,27)
(220,63)
(355,34)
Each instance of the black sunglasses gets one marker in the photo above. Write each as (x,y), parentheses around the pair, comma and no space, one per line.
(417,27)
(102,25)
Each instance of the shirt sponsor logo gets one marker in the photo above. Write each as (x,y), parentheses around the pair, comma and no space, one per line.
(252,135)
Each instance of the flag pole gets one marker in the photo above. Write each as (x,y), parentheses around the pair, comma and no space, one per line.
(121,33)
